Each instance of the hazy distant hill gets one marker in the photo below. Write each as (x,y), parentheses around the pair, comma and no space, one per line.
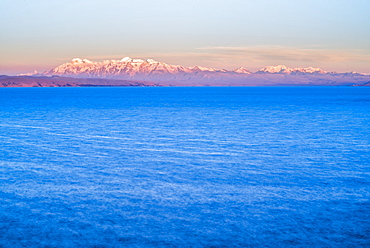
(55,81)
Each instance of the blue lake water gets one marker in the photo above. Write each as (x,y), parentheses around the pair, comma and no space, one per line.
(185,167)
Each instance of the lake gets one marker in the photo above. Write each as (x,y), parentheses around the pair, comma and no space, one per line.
(185,167)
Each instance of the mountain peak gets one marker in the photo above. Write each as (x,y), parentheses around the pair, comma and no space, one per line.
(201,68)
(77,60)
(309,69)
(275,69)
(152,61)
(242,70)
(131,60)
(282,69)
(126,59)
(80,61)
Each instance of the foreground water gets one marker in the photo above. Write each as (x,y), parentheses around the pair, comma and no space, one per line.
(185,167)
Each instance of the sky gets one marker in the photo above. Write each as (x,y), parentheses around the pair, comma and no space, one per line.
(41,34)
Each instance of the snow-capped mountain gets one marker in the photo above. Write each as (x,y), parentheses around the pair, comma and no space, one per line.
(128,68)
(124,68)
(166,74)
(286,70)
(242,70)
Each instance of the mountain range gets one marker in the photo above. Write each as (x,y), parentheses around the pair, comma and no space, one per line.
(134,68)
(129,71)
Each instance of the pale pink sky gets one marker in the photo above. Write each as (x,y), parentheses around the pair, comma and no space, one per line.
(333,34)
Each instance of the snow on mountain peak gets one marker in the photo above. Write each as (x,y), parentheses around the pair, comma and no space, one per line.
(310,69)
(201,68)
(131,60)
(126,59)
(275,69)
(80,61)
(77,60)
(137,61)
(152,61)
(242,70)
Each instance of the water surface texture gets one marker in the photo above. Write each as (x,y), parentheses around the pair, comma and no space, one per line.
(185,167)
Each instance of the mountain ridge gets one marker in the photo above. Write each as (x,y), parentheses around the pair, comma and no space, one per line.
(129,67)
(155,73)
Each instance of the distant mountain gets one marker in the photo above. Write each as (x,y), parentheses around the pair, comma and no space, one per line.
(56,81)
(242,70)
(295,71)
(363,84)
(128,71)
(128,68)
